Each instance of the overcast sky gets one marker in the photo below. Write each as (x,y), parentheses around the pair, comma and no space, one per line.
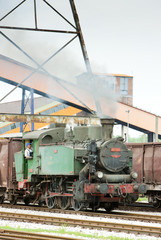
(121,37)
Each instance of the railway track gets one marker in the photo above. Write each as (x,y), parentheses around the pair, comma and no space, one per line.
(21,235)
(131,207)
(114,214)
(88,223)
(139,207)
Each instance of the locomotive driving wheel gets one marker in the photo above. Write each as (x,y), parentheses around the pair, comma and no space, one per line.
(110,206)
(13,200)
(27,201)
(157,203)
(77,205)
(1,199)
(64,202)
(50,202)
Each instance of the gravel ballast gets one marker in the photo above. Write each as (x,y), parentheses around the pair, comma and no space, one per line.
(98,233)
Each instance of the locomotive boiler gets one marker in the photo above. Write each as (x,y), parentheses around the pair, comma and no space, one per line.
(82,168)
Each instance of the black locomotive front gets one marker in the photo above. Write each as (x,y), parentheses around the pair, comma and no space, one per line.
(107,178)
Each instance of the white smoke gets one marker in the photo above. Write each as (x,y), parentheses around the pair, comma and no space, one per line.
(102,88)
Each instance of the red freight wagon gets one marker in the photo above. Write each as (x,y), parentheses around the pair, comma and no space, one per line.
(147,163)
(7,165)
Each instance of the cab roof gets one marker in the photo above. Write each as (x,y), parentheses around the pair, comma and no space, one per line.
(37,134)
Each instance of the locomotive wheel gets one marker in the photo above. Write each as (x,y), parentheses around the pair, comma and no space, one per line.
(40,203)
(110,207)
(50,202)
(64,202)
(94,208)
(77,205)
(26,201)
(156,203)
(13,200)
(1,199)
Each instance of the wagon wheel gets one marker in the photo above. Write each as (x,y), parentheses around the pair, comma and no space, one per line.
(77,205)
(64,202)
(1,199)
(13,200)
(50,202)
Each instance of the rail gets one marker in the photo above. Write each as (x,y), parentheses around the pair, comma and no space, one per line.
(86,223)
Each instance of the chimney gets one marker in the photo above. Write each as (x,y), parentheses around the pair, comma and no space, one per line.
(107,128)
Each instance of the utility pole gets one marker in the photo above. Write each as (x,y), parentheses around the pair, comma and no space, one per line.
(128,118)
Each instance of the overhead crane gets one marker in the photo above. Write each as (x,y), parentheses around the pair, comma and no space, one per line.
(29,78)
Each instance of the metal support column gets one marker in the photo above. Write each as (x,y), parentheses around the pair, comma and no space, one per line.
(80,35)
(24,102)
(156,129)
(123,131)
(150,137)
(32,108)
(22,108)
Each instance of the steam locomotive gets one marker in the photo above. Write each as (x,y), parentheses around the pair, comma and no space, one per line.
(82,168)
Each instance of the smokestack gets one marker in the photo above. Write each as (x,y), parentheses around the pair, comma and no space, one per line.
(107,128)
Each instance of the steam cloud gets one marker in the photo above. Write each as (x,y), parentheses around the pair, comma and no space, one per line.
(101,87)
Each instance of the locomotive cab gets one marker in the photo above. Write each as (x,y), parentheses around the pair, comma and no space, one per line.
(27,167)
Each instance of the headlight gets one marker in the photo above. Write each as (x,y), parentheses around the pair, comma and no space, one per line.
(100,174)
(134,175)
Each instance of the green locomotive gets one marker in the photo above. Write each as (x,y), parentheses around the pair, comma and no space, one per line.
(82,168)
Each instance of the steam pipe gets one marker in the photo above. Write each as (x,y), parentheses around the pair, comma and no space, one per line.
(115,178)
(83,174)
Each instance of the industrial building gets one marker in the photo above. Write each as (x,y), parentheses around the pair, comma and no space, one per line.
(120,84)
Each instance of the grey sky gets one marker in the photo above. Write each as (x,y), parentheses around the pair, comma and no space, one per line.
(120,36)
(126,38)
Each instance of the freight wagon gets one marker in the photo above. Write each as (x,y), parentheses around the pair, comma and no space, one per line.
(147,163)
(8,183)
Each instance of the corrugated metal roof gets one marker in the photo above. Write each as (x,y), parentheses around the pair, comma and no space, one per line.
(113,74)
(15,106)
(12,135)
